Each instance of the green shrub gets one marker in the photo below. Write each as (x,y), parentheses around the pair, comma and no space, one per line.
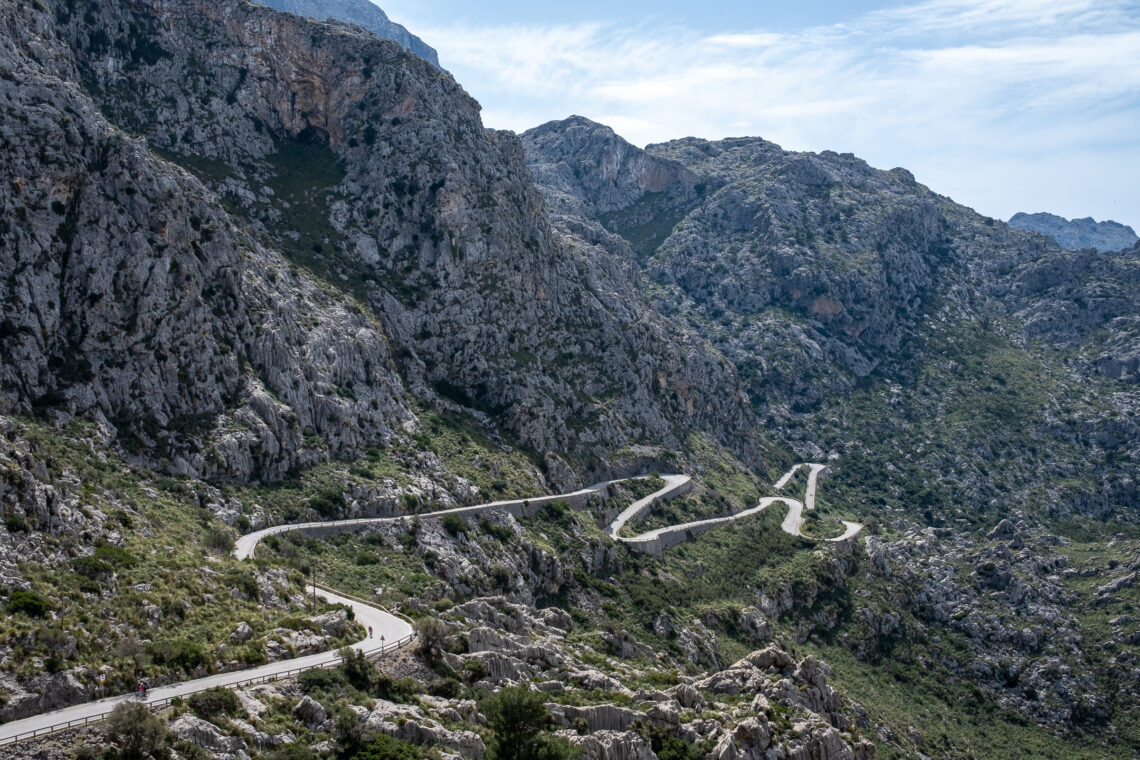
(557,512)
(28,602)
(123,518)
(501,533)
(474,670)
(254,654)
(328,503)
(667,746)
(348,611)
(135,730)
(445,688)
(383,747)
(214,702)
(394,689)
(178,653)
(521,723)
(91,567)
(454,524)
(242,581)
(431,634)
(298,623)
(292,752)
(15,523)
(321,679)
(219,539)
(358,670)
(115,556)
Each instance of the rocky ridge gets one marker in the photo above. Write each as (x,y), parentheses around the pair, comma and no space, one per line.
(1077,234)
(821,277)
(362,13)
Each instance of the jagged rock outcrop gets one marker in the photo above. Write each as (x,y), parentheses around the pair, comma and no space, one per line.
(362,13)
(585,169)
(207,736)
(1077,234)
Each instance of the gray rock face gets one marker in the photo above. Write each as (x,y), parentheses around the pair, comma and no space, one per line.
(1066,298)
(201,340)
(825,280)
(44,693)
(206,735)
(362,13)
(611,745)
(138,312)
(311,712)
(1076,234)
(584,168)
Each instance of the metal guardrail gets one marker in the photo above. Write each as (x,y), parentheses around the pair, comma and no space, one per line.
(236,683)
(366,602)
(370,653)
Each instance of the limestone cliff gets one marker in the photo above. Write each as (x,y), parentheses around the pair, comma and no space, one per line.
(363,13)
(348,232)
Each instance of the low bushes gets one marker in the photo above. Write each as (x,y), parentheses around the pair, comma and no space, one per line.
(214,702)
(28,602)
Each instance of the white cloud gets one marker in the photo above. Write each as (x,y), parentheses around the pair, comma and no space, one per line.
(966,93)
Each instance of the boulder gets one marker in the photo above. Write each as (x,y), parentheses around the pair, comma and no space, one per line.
(334,624)
(311,712)
(1117,585)
(767,659)
(596,717)
(206,735)
(625,646)
(687,696)
(556,618)
(242,634)
(610,745)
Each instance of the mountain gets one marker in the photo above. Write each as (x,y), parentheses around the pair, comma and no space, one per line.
(1077,234)
(264,270)
(362,13)
(885,329)
(333,158)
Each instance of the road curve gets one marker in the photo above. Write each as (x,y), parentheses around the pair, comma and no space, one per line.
(643,505)
(391,631)
(247,544)
(394,630)
(656,541)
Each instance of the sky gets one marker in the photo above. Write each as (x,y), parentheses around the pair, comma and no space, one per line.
(1003,105)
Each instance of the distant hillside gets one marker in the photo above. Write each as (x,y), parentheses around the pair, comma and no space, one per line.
(362,13)
(1077,233)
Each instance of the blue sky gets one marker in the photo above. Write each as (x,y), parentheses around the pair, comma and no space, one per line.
(1004,105)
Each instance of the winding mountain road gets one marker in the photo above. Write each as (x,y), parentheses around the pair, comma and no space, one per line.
(391,631)
(656,541)
(395,631)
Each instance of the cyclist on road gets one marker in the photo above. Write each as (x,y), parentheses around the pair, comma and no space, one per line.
(143,689)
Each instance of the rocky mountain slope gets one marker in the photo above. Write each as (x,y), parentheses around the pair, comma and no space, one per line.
(826,282)
(362,13)
(264,269)
(335,180)
(1077,234)
(959,370)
